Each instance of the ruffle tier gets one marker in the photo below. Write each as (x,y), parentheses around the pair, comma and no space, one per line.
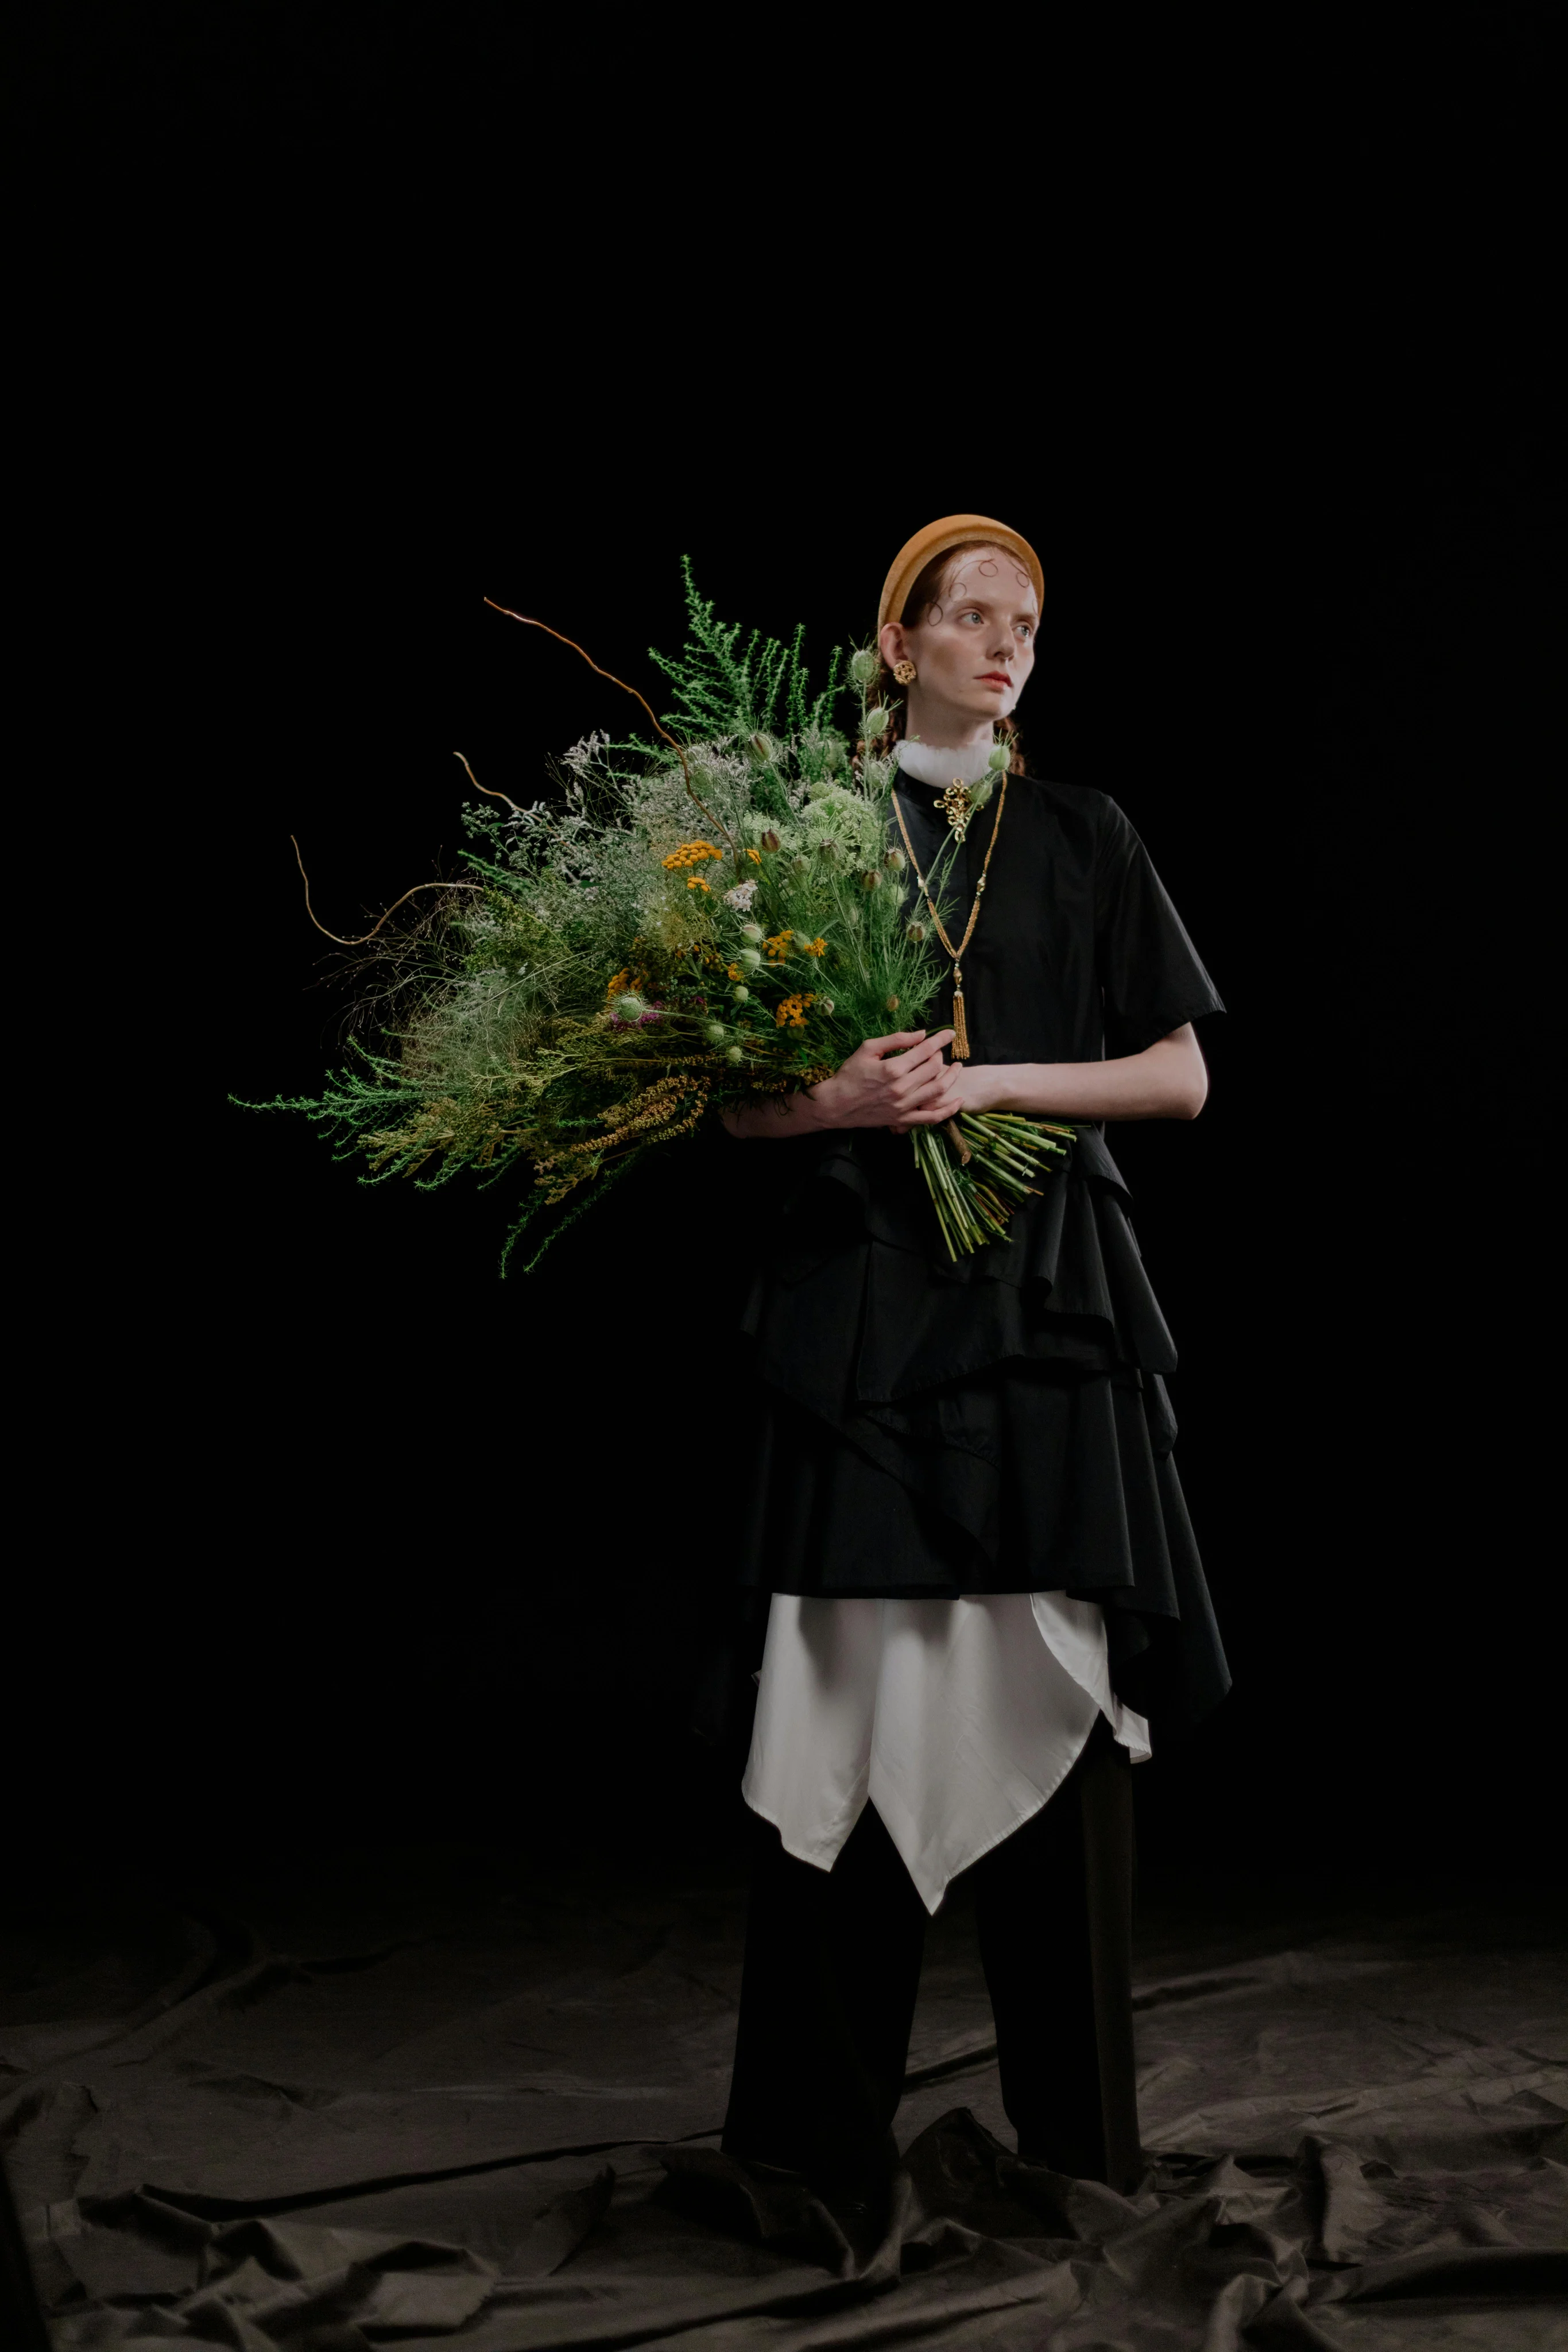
(1001,1425)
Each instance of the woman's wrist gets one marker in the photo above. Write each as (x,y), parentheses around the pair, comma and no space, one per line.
(982,1085)
(809,1108)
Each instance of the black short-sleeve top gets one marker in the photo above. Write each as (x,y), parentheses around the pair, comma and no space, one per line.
(1078,951)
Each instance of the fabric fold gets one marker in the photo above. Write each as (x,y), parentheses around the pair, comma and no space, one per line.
(957,1720)
(1010,1431)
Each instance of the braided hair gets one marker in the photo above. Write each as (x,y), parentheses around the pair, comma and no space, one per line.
(887,693)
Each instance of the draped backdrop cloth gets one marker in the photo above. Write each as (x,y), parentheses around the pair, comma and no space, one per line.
(956,1720)
(997,1428)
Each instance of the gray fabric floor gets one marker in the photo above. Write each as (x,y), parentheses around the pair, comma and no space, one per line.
(420,2104)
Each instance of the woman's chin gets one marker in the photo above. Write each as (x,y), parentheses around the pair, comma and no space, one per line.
(982,706)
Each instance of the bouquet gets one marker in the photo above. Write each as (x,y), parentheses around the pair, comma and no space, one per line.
(710,916)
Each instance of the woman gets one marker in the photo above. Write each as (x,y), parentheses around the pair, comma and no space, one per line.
(982,1586)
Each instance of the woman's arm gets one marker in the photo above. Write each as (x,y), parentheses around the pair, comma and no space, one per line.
(1166,1080)
(901,1082)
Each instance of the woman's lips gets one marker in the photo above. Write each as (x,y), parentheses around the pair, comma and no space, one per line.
(995,677)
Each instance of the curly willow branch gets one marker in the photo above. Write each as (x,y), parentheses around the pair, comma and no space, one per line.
(396,903)
(478,787)
(669,739)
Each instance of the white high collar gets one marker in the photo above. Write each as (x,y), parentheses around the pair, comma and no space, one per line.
(931,766)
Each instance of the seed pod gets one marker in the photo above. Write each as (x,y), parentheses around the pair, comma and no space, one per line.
(916,931)
(895,858)
(752,932)
(748,958)
(741,993)
(713,1033)
(871,881)
(892,1003)
(863,666)
(876,720)
(762,746)
(629,1007)
(770,839)
(1000,759)
(734,1054)
(982,792)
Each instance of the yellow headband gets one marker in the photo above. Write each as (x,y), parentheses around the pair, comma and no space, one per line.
(935,540)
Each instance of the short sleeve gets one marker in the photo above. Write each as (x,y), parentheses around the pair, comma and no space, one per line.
(1150,977)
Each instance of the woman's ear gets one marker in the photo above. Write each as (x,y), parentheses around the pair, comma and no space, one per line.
(892,639)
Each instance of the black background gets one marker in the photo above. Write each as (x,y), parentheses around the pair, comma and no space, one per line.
(349,319)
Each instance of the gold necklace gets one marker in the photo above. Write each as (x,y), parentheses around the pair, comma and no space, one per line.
(960,1028)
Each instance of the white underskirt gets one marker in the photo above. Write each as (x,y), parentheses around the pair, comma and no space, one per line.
(957,1719)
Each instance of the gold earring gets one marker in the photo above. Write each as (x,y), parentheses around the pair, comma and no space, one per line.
(905,672)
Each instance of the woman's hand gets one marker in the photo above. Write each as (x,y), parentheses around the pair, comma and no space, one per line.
(972,1085)
(898,1082)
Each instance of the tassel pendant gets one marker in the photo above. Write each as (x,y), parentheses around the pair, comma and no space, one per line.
(960,1026)
(959,1048)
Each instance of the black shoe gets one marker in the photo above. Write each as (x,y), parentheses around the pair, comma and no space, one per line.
(861,2200)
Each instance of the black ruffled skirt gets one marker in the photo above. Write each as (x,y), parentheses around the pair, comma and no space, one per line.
(1001,1425)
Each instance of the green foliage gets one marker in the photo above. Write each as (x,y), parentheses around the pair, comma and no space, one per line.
(638,954)
(730,684)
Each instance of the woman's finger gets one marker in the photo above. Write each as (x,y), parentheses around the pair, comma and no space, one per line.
(906,1069)
(930,1114)
(944,1093)
(916,1045)
(921,1083)
(924,1056)
(937,1040)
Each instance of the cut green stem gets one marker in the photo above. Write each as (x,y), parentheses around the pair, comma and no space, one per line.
(973,1198)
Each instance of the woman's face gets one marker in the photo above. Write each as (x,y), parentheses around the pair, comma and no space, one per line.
(974,649)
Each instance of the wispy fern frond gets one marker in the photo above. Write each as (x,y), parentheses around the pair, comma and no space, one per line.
(729,683)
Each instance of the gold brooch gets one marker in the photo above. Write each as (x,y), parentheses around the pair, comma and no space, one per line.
(958,806)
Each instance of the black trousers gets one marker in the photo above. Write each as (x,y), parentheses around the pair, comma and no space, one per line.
(832,1965)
